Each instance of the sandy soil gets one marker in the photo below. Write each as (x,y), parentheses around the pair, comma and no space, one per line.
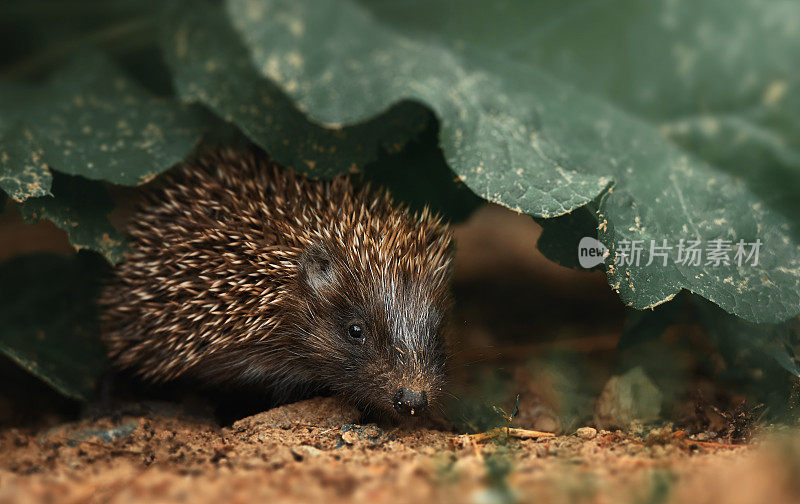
(314,451)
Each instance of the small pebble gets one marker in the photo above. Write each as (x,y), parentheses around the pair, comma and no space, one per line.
(304,452)
(587,432)
(350,437)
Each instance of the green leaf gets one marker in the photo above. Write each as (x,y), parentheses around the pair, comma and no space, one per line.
(211,66)
(91,120)
(521,138)
(80,207)
(695,68)
(48,320)
(209,69)
(88,120)
(715,77)
(342,67)
(23,171)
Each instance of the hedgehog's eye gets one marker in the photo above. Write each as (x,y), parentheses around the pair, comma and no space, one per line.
(357,333)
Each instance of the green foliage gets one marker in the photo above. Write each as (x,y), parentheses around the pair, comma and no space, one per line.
(539,145)
(489,130)
(327,97)
(210,65)
(23,172)
(625,121)
(79,206)
(90,120)
(49,319)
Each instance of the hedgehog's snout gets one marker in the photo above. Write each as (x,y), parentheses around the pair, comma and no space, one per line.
(410,402)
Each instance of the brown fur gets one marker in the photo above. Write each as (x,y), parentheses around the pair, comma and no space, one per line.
(243,271)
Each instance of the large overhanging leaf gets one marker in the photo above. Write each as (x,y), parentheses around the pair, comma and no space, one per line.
(704,69)
(323,85)
(89,120)
(211,65)
(514,135)
(80,207)
(49,323)
(343,69)
(717,77)
(23,171)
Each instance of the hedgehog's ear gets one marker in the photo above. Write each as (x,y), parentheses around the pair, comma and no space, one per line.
(316,267)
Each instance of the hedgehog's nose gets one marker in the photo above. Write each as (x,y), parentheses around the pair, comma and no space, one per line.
(410,402)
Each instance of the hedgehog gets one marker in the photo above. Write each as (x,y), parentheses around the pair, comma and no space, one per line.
(244,272)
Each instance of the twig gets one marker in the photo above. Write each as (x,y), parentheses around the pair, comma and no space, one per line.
(476,448)
(681,435)
(509,431)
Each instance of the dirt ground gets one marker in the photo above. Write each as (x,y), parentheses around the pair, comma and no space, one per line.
(514,310)
(313,451)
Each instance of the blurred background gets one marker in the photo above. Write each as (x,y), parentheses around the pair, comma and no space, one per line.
(528,125)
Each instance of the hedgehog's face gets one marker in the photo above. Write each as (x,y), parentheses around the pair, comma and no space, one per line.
(377,339)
